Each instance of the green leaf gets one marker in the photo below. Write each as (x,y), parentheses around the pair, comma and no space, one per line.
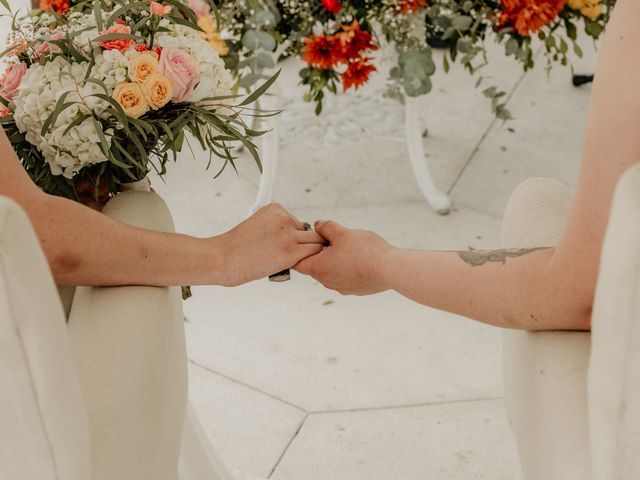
(76,122)
(461,22)
(117,36)
(59,107)
(97,12)
(511,47)
(258,92)
(129,7)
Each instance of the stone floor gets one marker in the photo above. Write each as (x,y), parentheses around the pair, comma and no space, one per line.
(294,382)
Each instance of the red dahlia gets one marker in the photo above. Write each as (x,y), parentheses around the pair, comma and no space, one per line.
(322,52)
(354,41)
(529,16)
(357,74)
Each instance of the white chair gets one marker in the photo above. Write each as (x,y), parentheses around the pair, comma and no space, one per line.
(103,396)
(573,397)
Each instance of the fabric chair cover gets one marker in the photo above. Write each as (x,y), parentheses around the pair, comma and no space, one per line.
(44,433)
(545,373)
(614,372)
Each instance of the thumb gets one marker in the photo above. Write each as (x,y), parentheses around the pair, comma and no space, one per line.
(329,229)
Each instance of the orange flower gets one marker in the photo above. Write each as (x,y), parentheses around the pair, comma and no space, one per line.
(58,6)
(529,16)
(121,44)
(357,74)
(411,6)
(159,9)
(322,52)
(354,41)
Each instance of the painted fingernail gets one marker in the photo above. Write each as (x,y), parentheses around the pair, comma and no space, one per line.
(306,226)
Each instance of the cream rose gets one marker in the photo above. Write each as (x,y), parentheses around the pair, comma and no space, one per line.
(142,66)
(131,98)
(157,91)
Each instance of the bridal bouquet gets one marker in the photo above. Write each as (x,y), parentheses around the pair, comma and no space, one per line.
(105,96)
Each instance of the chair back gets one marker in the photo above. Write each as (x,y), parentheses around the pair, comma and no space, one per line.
(614,370)
(44,433)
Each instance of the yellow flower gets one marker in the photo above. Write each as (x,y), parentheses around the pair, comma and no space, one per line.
(589,8)
(131,98)
(212,36)
(592,9)
(157,91)
(142,66)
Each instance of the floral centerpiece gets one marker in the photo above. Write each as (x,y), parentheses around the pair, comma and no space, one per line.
(336,37)
(105,96)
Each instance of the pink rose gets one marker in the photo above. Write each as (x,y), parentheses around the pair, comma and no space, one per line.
(121,44)
(200,7)
(10,81)
(181,70)
(49,47)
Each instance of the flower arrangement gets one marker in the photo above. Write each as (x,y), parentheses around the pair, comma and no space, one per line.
(105,96)
(337,38)
(330,30)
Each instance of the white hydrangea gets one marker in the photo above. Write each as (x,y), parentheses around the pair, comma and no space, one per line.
(112,68)
(215,79)
(40,90)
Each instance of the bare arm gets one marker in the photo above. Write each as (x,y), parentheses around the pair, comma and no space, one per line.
(84,247)
(540,289)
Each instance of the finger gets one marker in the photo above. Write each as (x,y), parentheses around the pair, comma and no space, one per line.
(310,237)
(329,229)
(308,250)
(302,226)
(306,266)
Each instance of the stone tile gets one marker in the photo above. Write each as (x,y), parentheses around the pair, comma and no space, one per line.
(458,441)
(248,429)
(546,140)
(320,351)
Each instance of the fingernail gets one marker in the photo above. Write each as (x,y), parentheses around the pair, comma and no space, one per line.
(317,224)
(307,226)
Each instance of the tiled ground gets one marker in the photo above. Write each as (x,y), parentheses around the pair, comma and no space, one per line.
(294,382)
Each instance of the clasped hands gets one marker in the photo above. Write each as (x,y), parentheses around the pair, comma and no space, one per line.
(351,262)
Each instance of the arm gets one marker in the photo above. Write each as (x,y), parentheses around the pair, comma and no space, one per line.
(541,289)
(84,247)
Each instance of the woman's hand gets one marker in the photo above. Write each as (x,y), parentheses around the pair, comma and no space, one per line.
(353,264)
(266,243)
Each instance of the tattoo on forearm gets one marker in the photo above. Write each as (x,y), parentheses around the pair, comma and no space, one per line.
(477,258)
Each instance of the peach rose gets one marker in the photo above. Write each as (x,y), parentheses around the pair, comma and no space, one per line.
(159,9)
(182,71)
(142,66)
(10,81)
(212,36)
(131,98)
(121,44)
(157,91)
(200,7)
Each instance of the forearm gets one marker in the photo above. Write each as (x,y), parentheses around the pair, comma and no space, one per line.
(84,247)
(521,289)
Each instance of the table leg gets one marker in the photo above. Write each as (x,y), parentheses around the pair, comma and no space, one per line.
(439,201)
